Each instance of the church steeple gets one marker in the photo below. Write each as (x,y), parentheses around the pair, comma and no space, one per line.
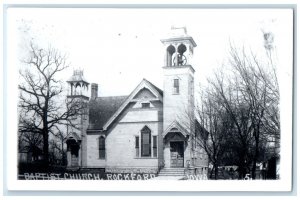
(178,79)
(179,47)
(78,86)
(178,98)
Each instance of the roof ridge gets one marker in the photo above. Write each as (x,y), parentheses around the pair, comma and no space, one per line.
(159,90)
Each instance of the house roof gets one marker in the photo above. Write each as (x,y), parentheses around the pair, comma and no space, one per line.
(158,89)
(104,110)
(143,84)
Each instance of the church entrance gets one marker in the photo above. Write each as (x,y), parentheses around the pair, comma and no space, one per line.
(177,154)
(73,152)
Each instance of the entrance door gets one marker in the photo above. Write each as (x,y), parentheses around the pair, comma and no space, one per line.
(74,155)
(177,152)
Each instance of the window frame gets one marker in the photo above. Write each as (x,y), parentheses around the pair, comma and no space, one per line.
(154,146)
(102,148)
(145,103)
(176,86)
(146,147)
(137,146)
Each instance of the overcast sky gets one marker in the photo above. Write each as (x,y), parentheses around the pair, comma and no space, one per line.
(117,48)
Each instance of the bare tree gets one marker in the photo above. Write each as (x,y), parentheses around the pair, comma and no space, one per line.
(43,109)
(259,89)
(248,94)
(230,99)
(30,142)
(212,129)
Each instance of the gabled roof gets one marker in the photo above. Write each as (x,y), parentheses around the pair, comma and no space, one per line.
(158,89)
(175,127)
(143,84)
(104,110)
(73,136)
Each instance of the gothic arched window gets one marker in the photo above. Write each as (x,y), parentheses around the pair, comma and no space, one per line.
(146,142)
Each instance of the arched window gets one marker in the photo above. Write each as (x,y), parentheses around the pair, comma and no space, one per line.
(102,147)
(181,49)
(170,52)
(146,142)
(181,59)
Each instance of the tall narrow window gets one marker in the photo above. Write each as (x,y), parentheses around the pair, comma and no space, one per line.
(102,147)
(146,141)
(137,146)
(155,146)
(176,86)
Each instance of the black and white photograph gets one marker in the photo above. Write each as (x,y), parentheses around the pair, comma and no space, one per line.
(197,95)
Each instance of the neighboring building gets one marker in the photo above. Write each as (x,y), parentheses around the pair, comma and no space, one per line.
(30,154)
(147,130)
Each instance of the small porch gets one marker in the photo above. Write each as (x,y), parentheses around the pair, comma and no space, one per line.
(73,152)
(176,147)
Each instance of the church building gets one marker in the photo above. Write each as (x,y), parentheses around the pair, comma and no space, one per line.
(149,131)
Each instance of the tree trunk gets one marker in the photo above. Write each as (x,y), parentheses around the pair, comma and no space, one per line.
(255,156)
(216,172)
(211,172)
(62,153)
(46,147)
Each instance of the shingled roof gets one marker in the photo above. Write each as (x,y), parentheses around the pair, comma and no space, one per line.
(102,108)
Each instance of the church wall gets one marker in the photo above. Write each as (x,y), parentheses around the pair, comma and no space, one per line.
(178,106)
(93,159)
(201,158)
(141,116)
(120,140)
(121,150)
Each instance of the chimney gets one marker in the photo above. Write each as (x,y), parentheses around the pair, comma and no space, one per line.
(94,91)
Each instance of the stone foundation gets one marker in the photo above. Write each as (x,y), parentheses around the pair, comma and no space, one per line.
(132,170)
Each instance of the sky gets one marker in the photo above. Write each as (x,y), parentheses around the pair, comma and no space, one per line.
(117,48)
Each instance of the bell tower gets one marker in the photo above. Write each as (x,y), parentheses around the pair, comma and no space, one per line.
(178,79)
(179,48)
(78,86)
(76,141)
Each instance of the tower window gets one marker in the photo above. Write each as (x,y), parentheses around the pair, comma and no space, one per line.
(176,86)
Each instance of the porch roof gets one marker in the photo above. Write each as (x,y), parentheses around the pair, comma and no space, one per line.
(175,127)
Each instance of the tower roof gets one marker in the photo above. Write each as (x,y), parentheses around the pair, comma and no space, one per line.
(178,34)
(77,77)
